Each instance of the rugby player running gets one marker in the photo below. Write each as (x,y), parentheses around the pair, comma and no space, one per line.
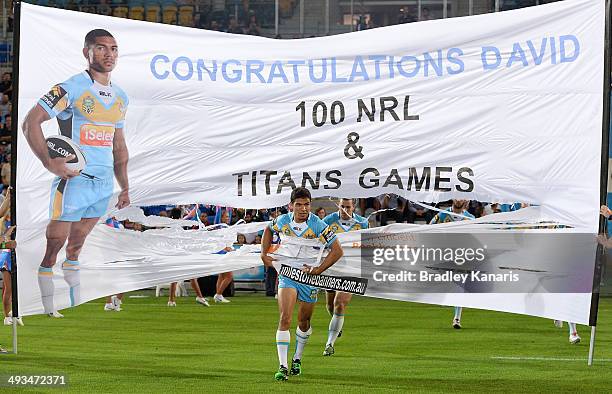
(300,223)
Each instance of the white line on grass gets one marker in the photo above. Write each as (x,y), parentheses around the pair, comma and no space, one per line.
(548,359)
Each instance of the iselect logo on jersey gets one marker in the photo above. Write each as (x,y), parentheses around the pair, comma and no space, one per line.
(96,135)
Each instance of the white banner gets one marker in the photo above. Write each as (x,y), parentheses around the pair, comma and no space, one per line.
(503,107)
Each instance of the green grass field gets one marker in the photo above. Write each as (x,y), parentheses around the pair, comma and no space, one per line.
(386,346)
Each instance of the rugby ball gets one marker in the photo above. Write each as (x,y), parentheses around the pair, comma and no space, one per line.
(62,146)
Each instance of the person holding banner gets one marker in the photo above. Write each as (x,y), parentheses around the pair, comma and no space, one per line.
(91,111)
(301,224)
(455,213)
(342,221)
(5,259)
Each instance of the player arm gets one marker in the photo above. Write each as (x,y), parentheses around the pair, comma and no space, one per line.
(120,163)
(266,242)
(33,133)
(332,257)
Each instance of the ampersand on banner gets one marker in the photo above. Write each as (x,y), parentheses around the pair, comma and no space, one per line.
(352,139)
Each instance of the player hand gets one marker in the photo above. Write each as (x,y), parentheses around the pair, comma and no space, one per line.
(57,166)
(602,239)
(123,200)
(605,211)
(267,260)
(7,234)
(311,270)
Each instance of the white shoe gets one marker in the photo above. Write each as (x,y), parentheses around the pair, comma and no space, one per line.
(116,303)
(221,299)
(55,314)
(171,303)
(456,324)
(559,323)
(574,339)
(8,321)
(202,300)
(109,307)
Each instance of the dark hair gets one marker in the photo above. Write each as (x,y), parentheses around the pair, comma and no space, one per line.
(90,38)
(175,213)
(300,192)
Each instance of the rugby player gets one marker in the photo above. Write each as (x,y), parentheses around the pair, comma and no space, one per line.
(339,222)
(302,224)
(91,111)
(459,208)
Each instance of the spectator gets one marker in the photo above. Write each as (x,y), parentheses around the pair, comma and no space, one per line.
(6,85)
(262,215)
(361,23)
(234,27)
(5,129)
(163,214)
(176,213)
(214,26)
(225,217)
(253,27)
(204,219)
(257,240)
(104,9)
(320,212)
(5,106)
(241,239)
(5,172)
(425,15)
(405,16)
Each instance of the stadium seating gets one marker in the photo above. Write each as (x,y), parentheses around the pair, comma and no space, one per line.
(169,12)
(152,11)
(185,15)
(136,10)
(120,9)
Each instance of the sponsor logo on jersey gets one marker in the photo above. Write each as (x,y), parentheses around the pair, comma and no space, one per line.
(53,96)
(328,234)
(96,135)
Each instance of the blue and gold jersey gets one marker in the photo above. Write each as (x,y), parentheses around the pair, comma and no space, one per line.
(443,217)
(313,228)
(88,113)
(339,225)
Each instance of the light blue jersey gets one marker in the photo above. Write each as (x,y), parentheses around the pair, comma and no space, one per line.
(443,217)
(88,113)
(312,228)
(339,225)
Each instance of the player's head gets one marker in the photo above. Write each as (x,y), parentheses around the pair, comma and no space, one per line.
(347,207)
(320,212)
(300,203)
(101,51)
(459,205)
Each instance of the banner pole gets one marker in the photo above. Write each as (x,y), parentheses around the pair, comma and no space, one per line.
(603,188)
(592,345)
(276,18)
(14,125)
